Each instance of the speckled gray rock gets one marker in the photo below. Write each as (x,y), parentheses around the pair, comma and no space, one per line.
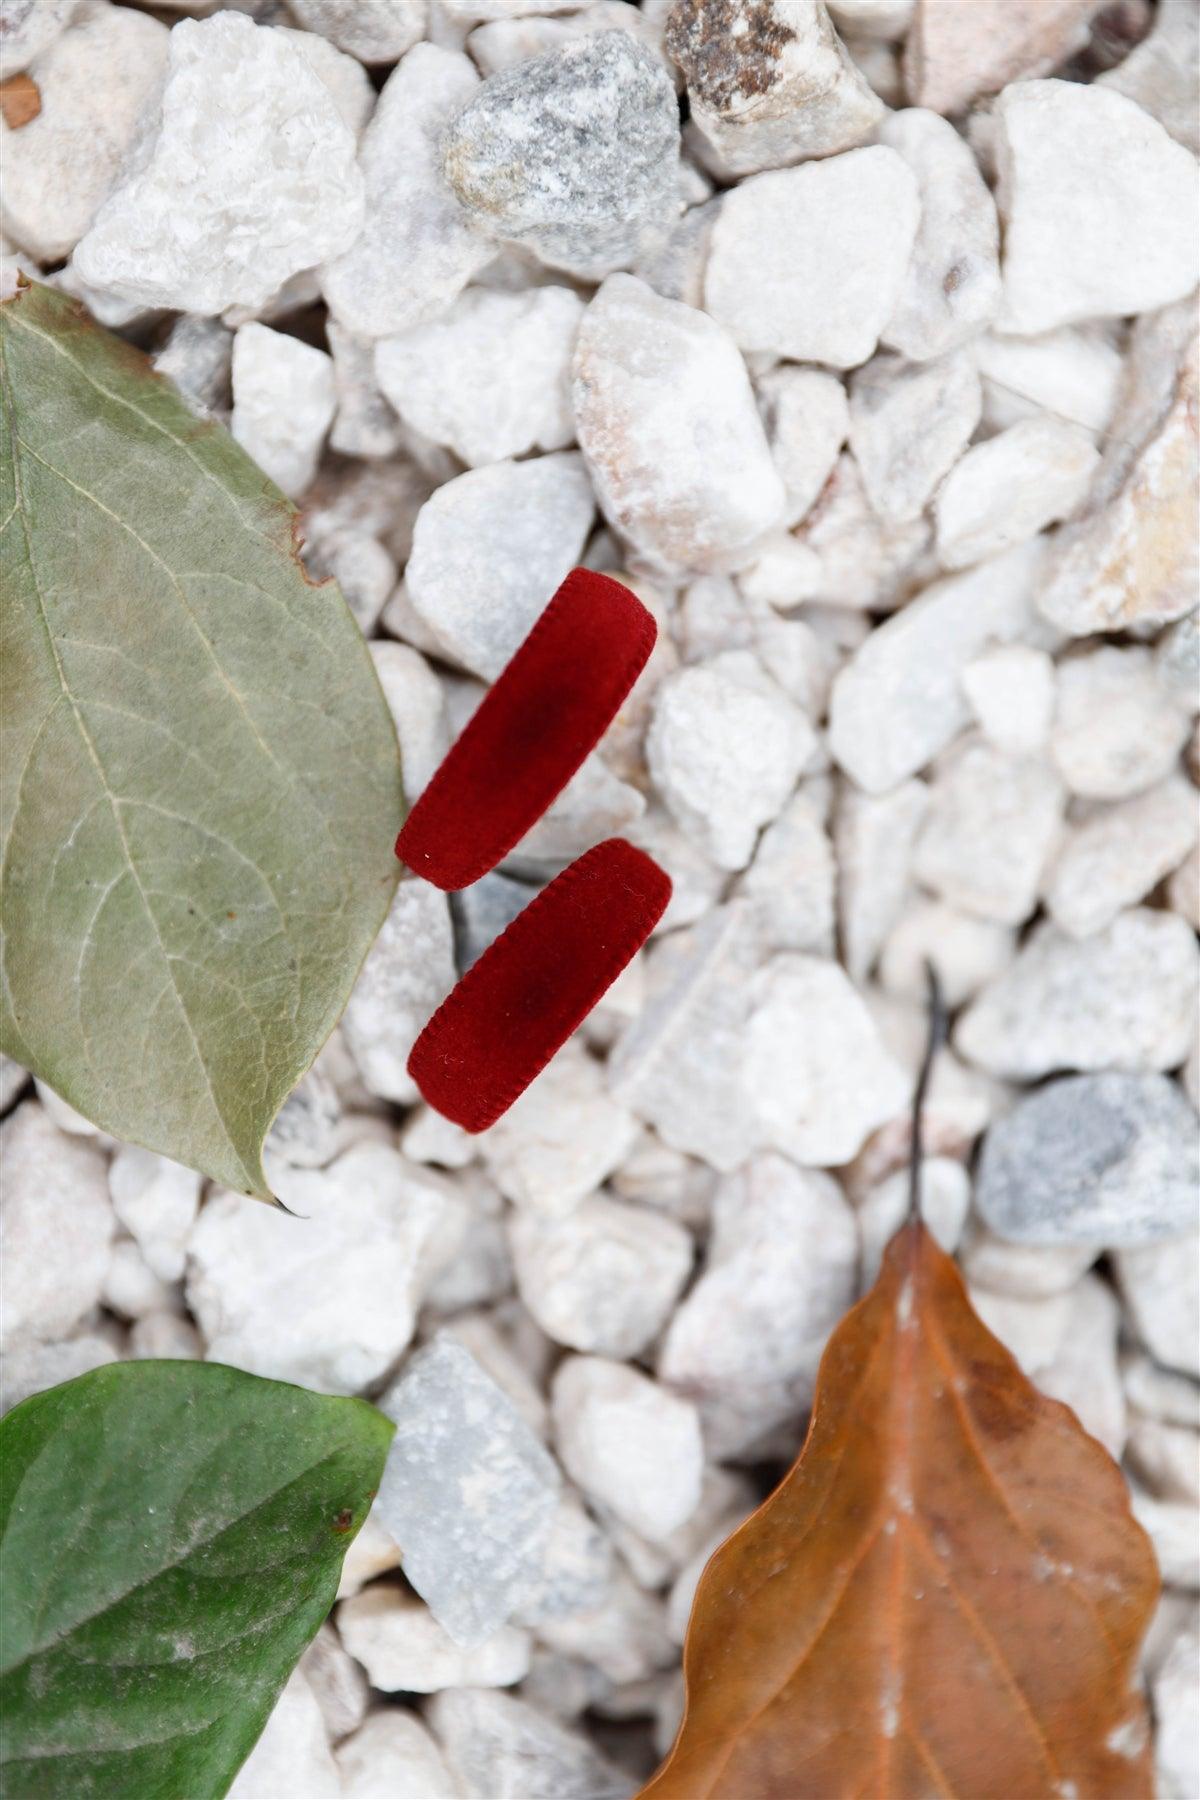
(769,84)
(1122,999)
(574,154)
(483,910)
(375,31)
(467,1491)
(244,173)
(1106,1159)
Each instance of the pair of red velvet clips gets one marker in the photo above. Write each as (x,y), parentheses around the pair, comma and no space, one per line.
(526,994)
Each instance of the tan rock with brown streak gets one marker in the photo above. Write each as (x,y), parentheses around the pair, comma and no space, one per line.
(1132,558)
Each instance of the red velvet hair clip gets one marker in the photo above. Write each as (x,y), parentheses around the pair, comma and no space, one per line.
(549,707)
(529,990)
(523,998)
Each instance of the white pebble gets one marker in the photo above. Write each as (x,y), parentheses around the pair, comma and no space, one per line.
(414,696)
(1098,206)
(403,1648)
(292,1756)
(874,836)
(338,1685)
(490,548)
(1116,731)
(374,31)
(561,1138)
(1113,857)
(1033,1329)
(1011,690)
(56,1227)
(1073,373)
(392,1757)
(1083,1371)
(1160,1284)
(791,880)
(909,424)
(408,973)
(994,823)
(1011,486)
(155,1199)
(30,26)
(807,418)
(604,1278)
(497,1744)
(283,402)
(247,175)
(628,1443)
(417,250)
(30,1368)
(966,951)
(945,1202)
(809,262)
(667,421)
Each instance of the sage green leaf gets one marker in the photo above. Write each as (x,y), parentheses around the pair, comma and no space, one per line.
(171,1537)
(201,784)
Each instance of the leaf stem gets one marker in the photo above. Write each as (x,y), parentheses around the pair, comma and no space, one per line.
(935,1038)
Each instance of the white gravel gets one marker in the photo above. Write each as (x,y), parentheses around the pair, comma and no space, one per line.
(878,381)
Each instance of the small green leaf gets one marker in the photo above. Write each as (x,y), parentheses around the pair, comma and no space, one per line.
(201,784)
(171,1536)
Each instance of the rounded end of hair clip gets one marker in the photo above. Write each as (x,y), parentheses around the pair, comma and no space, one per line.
(520,1002)
(541,717)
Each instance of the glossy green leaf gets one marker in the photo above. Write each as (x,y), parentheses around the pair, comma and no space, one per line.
(201,784)
(171,1537)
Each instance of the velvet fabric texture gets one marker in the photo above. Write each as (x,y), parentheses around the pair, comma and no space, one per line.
(521,1001)
(537,723)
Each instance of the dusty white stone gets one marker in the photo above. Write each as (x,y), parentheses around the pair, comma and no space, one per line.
(1174,1531)
(900,699)
(1116,730)
(495,1743)
(951,288)
(30,1368)
(1183,890)
(56,1227)
(1160,1284)
(338,1684)
(807,418)
(561,1139)
(1157,73)
(392,1757)
(363,568)
(131,1288)
(1032,1329)
(1083,1371)
(155,1199)
(373,1552)
(594,804)
(490,548)
(1022,1270)
(1072,372)
(467,1490)
(501,42)
(1010,690)
(197,357)
(680,1066)
(1108,1159)
(604,1277)
(374,31)
(966,951)
(417,249)
(283,402)
(165,1334)
(791,880)
(625,1638)
(666,418)
(1132,557)
(945,1202)
(1098,205)
(581,199)
(952,57)
(866,560)
(725,756)
(365,423)
(994,823)
(810,262)
(278,188)
(1113,857)
(818,1074)
(29,27)
(489,377)
(909,424)
(402,1647)
(768,84)
(628,1443)
(93,82)
(327,1299)
(1177,1717)
(784,573)
(292,1756)
(781,1269)
(414,696)
(408,972)
(1167,1458)
(1011,486)
(307,1131)
(1160,1393)
(1121,999)
(345,78)
(874,836)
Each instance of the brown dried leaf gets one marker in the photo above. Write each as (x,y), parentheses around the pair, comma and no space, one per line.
(20,101)
(946,1595)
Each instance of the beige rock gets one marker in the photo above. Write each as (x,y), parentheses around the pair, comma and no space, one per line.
(955,52)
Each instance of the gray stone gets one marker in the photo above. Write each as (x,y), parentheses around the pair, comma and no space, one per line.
(408,973)
(483,910)
(1102,1159)
(467,1491)
(197,357)
(526,167)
